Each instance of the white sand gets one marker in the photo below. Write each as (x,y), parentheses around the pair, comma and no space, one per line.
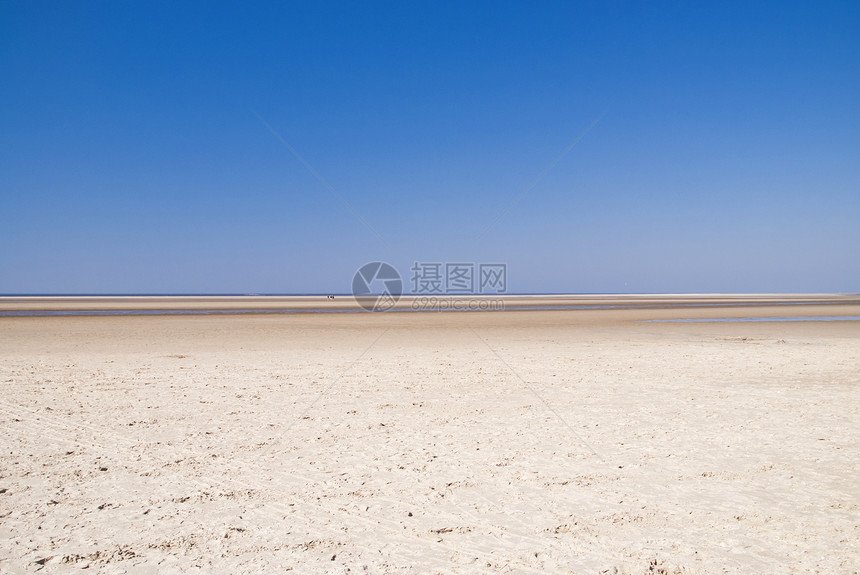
(522,442)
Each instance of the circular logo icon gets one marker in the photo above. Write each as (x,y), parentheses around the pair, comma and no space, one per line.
(377,286)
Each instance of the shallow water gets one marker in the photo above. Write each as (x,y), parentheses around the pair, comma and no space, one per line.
(757,319)
(88,312)
(444,304)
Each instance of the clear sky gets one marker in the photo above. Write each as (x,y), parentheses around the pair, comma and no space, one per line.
(135,155)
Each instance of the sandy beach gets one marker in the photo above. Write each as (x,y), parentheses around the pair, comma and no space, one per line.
(527,441)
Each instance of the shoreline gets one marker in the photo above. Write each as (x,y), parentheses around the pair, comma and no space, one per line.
(38,306)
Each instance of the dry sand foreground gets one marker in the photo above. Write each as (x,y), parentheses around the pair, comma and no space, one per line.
(518,442)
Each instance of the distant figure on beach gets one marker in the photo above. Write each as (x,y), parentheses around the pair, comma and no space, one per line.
(331,297)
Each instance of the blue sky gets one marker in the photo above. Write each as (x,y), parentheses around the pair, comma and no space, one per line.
(726,157)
